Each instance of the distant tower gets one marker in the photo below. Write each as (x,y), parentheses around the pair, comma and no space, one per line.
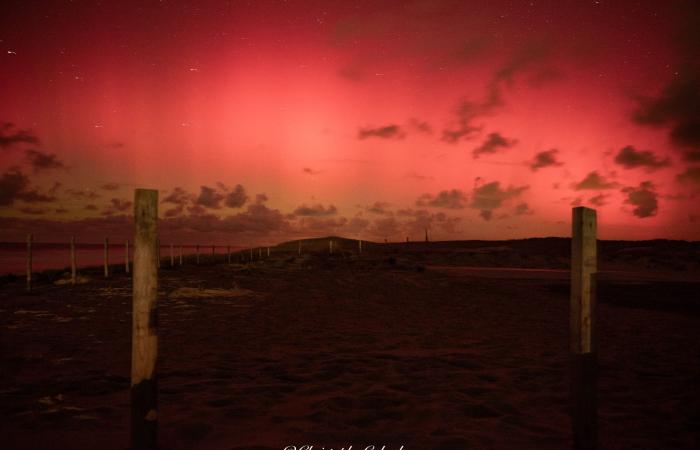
(426,235)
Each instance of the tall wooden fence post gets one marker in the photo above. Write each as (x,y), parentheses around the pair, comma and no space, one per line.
(73,268)
(582,323)
(106,257)
(144,349)
(127,258)
(30,239)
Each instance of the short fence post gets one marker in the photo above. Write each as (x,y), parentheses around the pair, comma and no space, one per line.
(299,251)
(30,239)
(144,350)
(582,325)
(268,252)
(330,247)
(359,245)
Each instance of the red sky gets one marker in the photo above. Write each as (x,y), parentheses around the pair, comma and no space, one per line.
(261,121)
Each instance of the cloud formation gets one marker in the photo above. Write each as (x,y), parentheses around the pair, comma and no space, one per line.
(690,176)
(315,210)
(643,198)
(386,132)
(630,158)
(15,185)
(594,181)
(9,136)
(547,158)
(490,196)
(236,198)
(43,161)
(451,199)
(493,143)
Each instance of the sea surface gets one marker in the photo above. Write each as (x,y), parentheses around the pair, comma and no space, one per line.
(13,256)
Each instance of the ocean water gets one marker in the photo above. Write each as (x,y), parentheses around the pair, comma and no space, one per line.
(13,256)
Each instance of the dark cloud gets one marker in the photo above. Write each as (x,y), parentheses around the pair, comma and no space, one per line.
(630,158)
(209,198)
(677,106)
(236,198)
(310,171)
(691,175)
(467,112)
(643,198)
(420,126)
(599,200)
(493,143)
(490,196)
(9,136)
(178,197)
(547,158)
(15,185)
(379,208)
(452,199)
(594,181)
(316,210)
(385,132)
(43,161)
(522,209)
(117,206)
(12,184)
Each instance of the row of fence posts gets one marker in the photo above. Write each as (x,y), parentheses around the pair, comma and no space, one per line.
(144,416)
(127,258)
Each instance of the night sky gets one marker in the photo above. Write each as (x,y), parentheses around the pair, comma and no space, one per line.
(264,121)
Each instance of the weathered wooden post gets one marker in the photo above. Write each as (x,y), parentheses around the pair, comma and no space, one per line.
(196,254)
(359,246)
(106,257)
(30,239)
(268,252)
(158,252)
(73,268)
(228,254)
(126,256)
(259,252)
(330,247)
(144,347)
(181,255)
(172,256)
(582,323)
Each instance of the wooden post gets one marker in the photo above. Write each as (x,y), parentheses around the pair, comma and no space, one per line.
(144,348)
(330,247)
(172,256)
(158,252)
(197,254)
(30,239)
(359,246)
(300,247)
(228,254)
(251,253)
(426,236)
(106,257)
(582,324)
(181,255)
(213,253)
(259,252)
(126,256)
(268,252)
(73,268)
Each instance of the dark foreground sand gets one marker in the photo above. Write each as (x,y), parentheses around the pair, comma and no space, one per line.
(345,351)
